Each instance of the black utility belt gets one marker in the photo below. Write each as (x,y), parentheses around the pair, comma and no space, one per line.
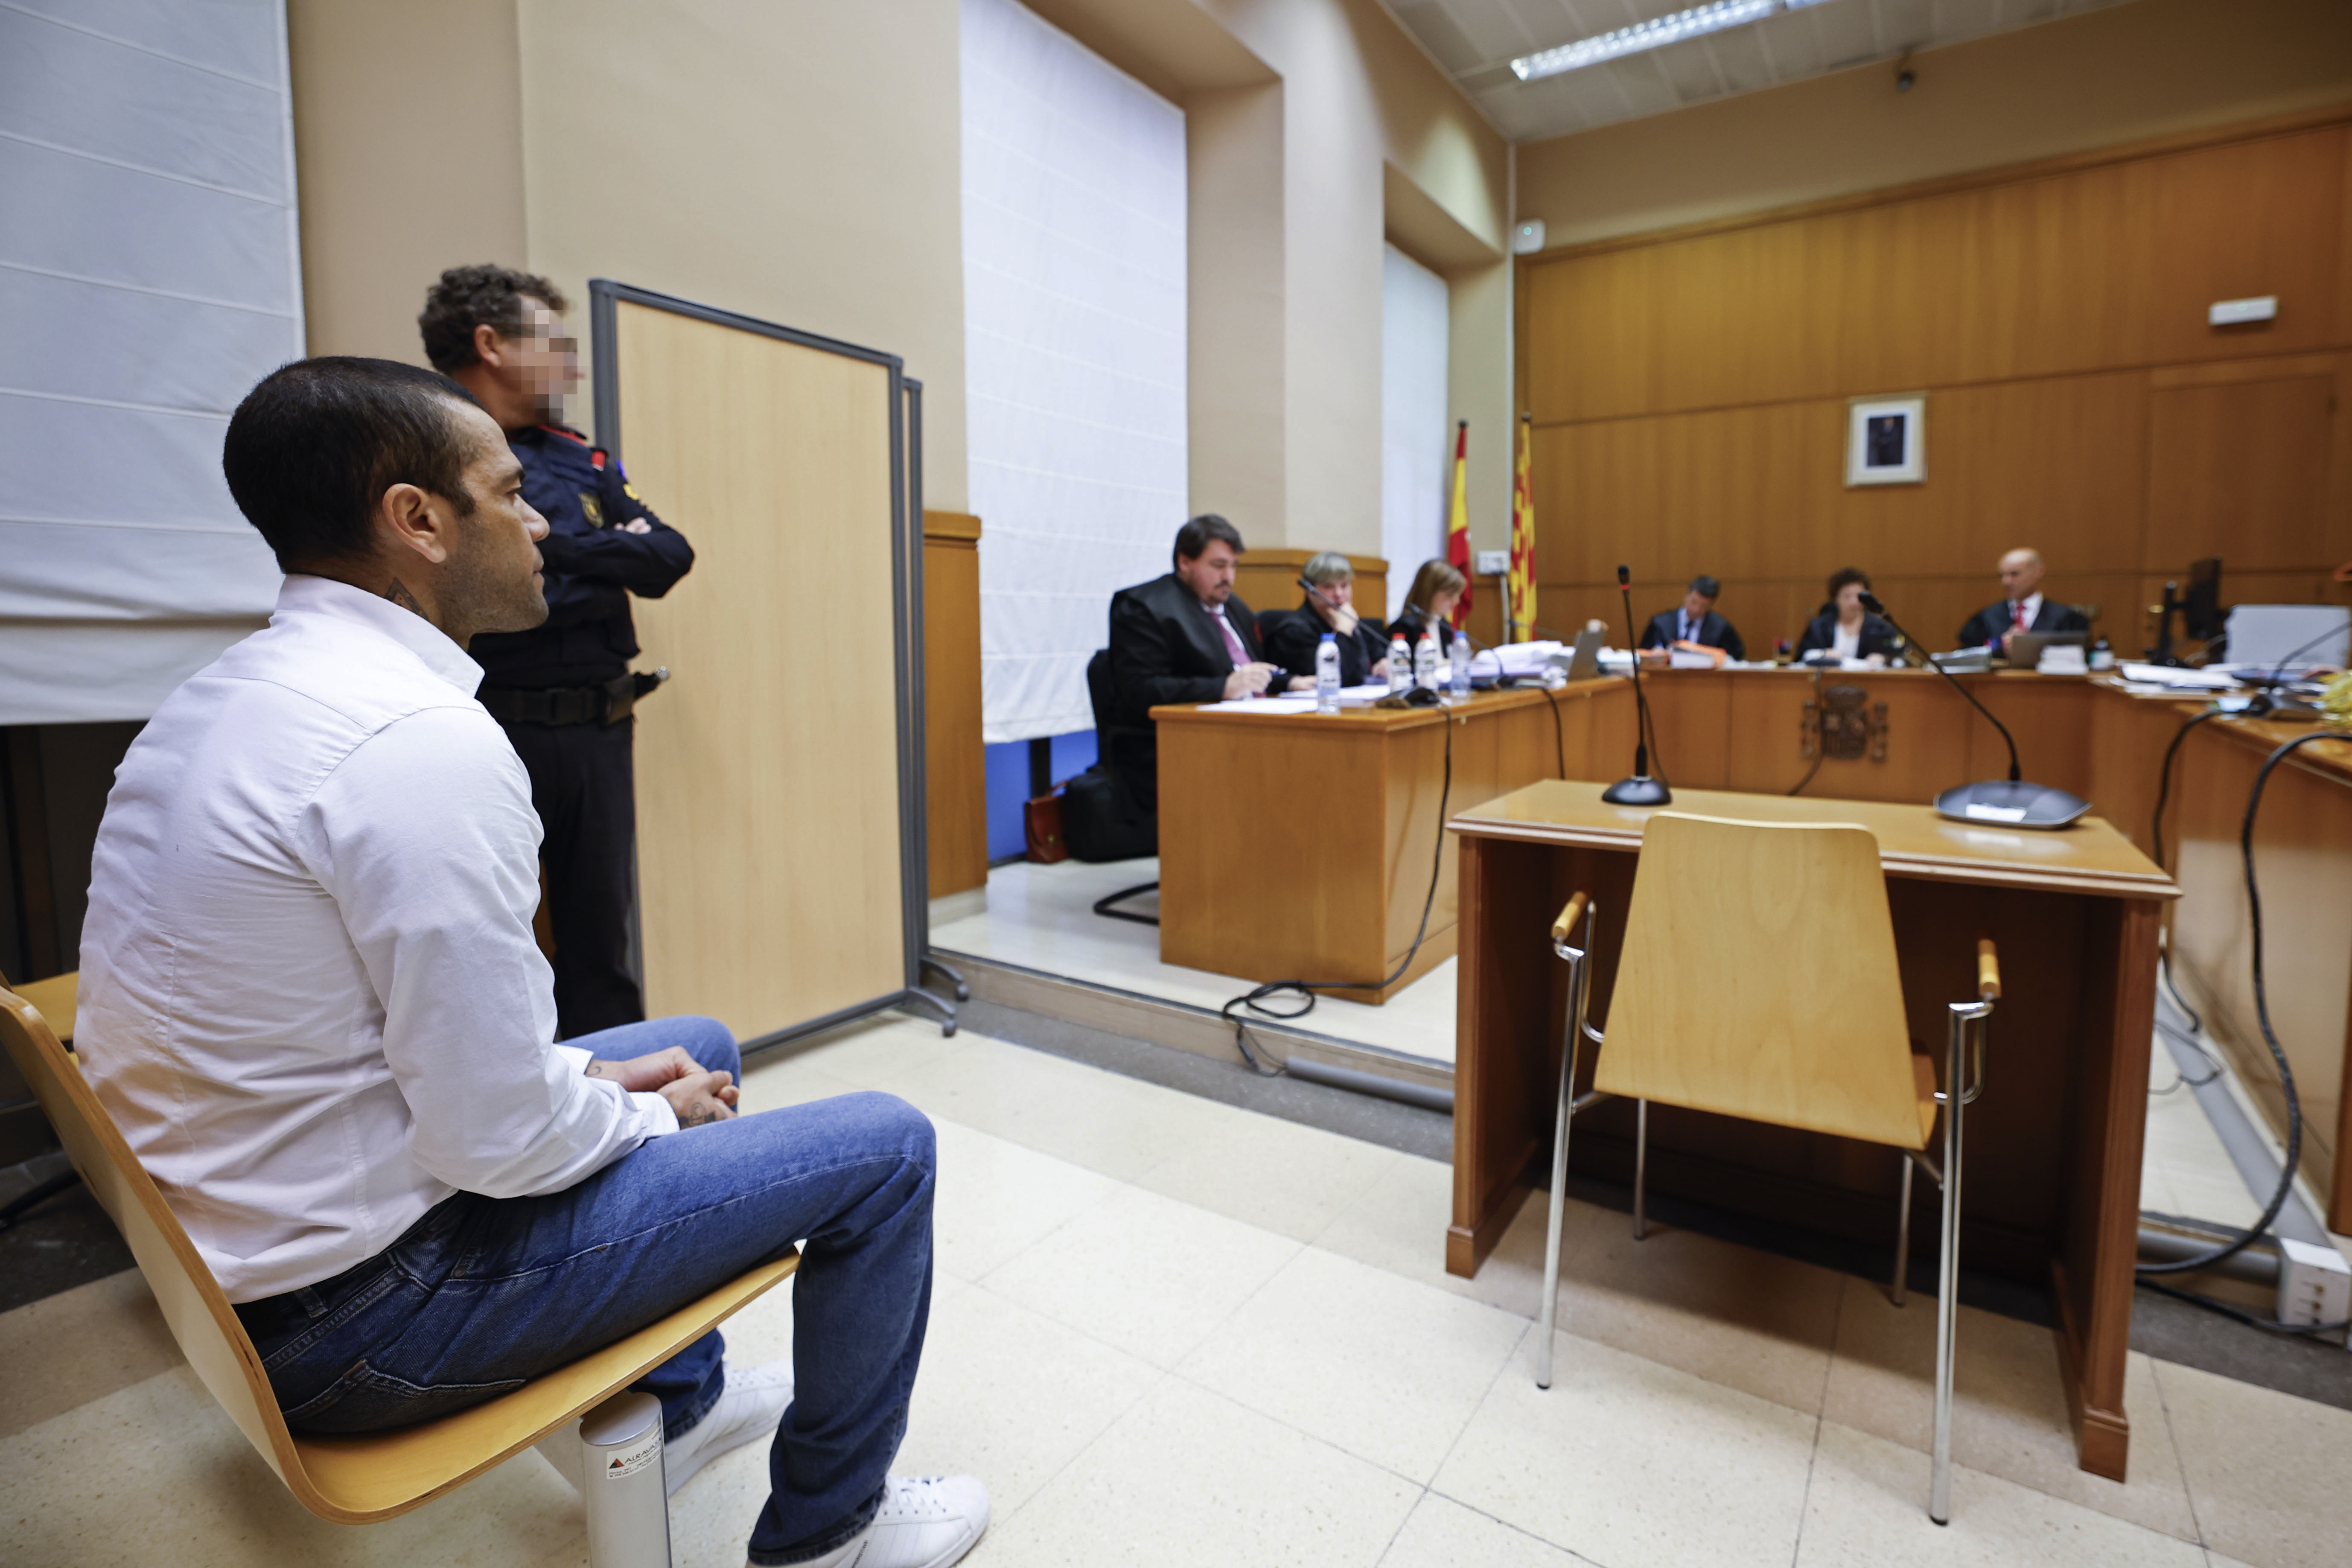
(560,705)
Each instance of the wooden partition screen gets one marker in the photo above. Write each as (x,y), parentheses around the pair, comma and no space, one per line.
(779,833)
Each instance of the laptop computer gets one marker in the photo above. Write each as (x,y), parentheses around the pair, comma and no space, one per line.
(2025,647)
(1583,661)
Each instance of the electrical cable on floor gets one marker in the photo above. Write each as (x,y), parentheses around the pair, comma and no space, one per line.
(24,1203)
(2261,1228)
(1103,905)
(2181,1079)
(2268,1325)
(1253,1000)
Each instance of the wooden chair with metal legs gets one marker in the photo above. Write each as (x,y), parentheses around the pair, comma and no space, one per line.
(350,1480)
(1759,980)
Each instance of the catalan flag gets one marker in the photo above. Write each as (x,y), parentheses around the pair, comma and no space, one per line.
(1457,520)
(1521,610)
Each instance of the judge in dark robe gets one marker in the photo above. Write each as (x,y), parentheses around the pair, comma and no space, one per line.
(1329,607)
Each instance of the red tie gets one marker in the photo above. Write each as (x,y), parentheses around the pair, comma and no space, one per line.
(2020,609)
(1233,643)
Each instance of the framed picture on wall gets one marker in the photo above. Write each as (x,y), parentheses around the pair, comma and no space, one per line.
(1886,440)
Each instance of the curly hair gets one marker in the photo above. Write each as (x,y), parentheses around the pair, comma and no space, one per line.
(471,297)
(1848,574)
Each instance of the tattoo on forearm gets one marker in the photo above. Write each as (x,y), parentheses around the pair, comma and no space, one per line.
(599,1069)
(697,1116)
(399,595)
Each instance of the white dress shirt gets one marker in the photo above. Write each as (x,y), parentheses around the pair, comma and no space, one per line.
(310,993)
(1847,643)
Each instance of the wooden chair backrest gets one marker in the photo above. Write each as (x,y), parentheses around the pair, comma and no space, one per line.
(350,1481)
(207,1330)
(55,998)
(1759,980)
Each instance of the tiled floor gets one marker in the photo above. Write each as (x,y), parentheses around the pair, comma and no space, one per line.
(1042,917)
(1168,1331)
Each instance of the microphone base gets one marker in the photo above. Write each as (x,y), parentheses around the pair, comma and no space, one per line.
(1639,790)
(1998,803)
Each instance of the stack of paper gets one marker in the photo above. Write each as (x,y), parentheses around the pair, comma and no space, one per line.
(2178,680)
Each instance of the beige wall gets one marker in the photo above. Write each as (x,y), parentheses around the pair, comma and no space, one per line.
(1360,99)
(1305,118)
(2149,69)
(408,147)
(800,163)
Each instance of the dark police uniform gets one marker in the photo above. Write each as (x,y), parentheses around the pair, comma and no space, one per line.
(563,692)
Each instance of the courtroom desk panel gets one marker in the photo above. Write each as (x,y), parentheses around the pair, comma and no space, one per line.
(1745,729)
(2303,852)
(1300,846)
(1243,825)
(1690,717)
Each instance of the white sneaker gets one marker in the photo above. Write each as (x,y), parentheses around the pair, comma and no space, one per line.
(751,1406)
(925,1521)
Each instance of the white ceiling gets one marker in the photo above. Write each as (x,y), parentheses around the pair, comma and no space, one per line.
(1476,40)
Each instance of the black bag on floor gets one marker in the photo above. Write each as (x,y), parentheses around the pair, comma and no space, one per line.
(1101,819)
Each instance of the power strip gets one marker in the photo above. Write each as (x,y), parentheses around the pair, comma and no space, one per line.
(2314,1284)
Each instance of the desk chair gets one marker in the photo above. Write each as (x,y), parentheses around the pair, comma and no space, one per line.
(350,1480)
(1759,980)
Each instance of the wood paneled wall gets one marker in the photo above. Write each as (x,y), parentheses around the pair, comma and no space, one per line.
(1689,389)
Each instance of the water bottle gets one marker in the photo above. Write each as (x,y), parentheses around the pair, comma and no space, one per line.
(1326,674)
(1424,661)
(1458,671)
(1400,665)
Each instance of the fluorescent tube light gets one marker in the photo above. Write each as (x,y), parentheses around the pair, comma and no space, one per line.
(1654,34)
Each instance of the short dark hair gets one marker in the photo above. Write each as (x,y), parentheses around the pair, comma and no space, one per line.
(1848,574)
(471,297)
(1194,536)
(314,447)
(1706,587)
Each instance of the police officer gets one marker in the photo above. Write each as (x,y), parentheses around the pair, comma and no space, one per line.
(564,692)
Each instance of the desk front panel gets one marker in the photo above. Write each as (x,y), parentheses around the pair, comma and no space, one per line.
(1300,846)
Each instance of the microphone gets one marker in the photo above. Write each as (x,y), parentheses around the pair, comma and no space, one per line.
(1641,789)
(2011,801)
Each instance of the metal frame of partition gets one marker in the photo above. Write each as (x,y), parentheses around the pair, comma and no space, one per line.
(604,296)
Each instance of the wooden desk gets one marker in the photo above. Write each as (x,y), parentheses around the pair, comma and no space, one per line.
(1299,847)
(2053,1184)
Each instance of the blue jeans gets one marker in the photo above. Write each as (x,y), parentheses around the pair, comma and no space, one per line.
(483,1294)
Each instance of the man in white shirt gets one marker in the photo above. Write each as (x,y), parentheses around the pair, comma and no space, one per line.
(312,1002)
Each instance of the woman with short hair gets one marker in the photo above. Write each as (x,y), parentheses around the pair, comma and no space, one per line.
(1844,627)
(1329,607)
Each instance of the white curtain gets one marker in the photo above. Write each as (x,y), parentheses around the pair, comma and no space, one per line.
(1416,440)
(148,277)
(1074,196)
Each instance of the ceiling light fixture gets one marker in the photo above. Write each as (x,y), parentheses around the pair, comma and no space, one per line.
(1654,34)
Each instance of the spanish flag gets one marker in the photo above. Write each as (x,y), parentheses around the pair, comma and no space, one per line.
(1522,607)
(1457,520)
